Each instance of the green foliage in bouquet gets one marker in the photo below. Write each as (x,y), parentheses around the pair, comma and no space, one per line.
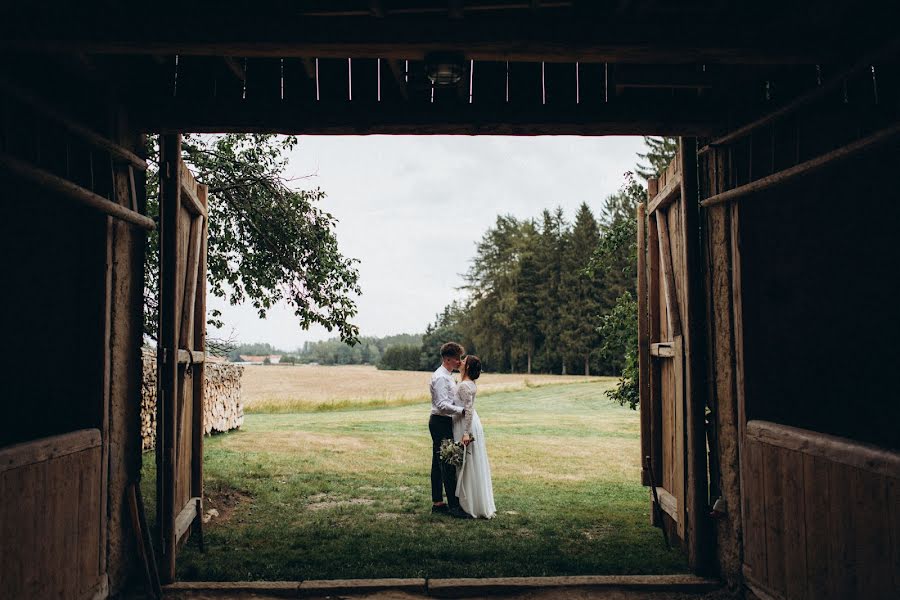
(452,452)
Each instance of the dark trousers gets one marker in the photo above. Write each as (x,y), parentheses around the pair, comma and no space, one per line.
(442,474)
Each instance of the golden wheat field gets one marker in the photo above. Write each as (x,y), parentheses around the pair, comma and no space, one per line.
(277,388)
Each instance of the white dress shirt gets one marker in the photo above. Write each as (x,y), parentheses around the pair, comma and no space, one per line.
(443,394)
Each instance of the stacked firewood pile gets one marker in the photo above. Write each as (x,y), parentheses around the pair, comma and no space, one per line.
(222,405)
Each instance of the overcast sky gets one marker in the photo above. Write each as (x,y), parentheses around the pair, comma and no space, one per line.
(411,209)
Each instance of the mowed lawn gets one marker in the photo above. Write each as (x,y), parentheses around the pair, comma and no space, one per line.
(345,494)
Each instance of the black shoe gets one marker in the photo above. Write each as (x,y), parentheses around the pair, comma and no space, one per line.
(459,513)
(439,509)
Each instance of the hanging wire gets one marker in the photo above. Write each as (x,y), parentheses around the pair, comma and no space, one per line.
(846,96)
(577,83)
(317,80)
(818,75)
(507,81)
(282,79)
(768,90)
(378,74)
(543,83)
(350,79)
(175,79)
(874,84)
(244,88)
(471,79)
(606,82)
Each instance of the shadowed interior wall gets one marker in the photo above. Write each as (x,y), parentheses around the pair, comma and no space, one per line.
(53,281)
(819,273)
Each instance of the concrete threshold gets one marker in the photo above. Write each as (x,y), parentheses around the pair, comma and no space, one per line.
(442,588)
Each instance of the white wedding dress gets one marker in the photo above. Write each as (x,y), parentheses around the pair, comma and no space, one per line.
(473,479)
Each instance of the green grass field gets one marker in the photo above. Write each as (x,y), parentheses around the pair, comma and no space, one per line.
(345,494)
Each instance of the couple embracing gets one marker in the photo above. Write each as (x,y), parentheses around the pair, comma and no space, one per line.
(469,490)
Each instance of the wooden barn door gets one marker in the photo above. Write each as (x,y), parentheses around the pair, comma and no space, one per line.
(671,313)
(182,295)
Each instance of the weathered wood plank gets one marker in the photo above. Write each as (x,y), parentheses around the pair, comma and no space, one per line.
(833,448)
(662,350)
(871,539)
(171,249)
(667,195)
(816,477)
(679,465)
(64,187)
(754,507)
(774,525)
(843,577)
(893,524)
(185,517)
(35,102)
(668,503)
(653,294)
(28,453)
(880,137)
(793,488)
(194,246)
(189,188)
(668,273)
(643,340)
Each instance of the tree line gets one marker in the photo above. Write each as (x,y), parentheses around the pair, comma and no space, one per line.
(548,295)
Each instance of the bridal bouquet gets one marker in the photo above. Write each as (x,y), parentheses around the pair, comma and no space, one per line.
(453,453)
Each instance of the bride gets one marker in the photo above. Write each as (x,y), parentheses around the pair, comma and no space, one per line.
(473,481)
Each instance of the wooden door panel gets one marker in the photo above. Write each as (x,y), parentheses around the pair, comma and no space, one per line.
(182,356)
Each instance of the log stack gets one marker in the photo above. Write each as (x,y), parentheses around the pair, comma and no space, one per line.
(223,409)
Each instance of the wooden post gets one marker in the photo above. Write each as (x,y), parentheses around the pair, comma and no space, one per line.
(655,379)
(700,539)
(170,207)
(199,382)
(643,340)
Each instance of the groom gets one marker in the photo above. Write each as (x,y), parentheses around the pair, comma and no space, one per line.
(443,407)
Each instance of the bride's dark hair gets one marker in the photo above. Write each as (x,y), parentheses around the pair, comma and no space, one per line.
(473,367)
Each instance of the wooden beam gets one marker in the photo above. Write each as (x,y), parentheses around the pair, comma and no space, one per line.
(233,66)
(66,188)
(189,187)
(38,104)
(662,350)
(701,536)
(859,455)
(827,86)
(668,270)
(667,195)
(185,517)
(655,330)
(43,449)
(168,385)
(804,168)
(363,118)
(186,357)
(532,37)
(668,503)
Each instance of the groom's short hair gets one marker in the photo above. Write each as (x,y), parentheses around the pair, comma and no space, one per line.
(452,350)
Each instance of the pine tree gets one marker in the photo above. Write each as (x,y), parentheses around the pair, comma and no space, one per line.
(660,152)
(551,245)
(580,290)
(526,314)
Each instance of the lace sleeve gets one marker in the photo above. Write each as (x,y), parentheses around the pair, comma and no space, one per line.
(467,395)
